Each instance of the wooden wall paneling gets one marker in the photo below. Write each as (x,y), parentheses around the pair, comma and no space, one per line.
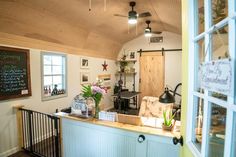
(93,140)
(24,42)
(58,20)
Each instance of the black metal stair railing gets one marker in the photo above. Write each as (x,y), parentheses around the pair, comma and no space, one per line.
(41,133)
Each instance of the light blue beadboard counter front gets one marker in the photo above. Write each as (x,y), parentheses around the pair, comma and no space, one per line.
(95,138)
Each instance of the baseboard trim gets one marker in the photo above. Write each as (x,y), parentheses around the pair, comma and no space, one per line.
(9,152)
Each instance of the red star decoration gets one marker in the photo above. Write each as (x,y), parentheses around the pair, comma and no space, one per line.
(105,65)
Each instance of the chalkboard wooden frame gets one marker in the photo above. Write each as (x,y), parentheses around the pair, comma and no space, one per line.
(27,59)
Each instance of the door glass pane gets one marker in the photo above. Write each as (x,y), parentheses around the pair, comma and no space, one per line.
(216,134)
(219,10)
(198,117)
(220,42)
(220,50)
(233,149)
(200,4)
(199,60)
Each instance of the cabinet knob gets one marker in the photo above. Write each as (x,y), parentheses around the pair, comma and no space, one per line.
(141,138)
(178,140)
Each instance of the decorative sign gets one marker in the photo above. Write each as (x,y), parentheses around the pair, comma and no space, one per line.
(217,76)
(106,80)
(14,73)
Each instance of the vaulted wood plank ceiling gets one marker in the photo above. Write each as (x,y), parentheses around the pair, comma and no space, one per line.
(69,22)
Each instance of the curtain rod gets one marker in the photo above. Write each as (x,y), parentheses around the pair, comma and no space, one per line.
(162,50)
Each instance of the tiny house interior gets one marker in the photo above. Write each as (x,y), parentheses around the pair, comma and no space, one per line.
(117,78)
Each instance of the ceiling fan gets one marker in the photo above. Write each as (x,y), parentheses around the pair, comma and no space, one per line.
(148,30)
(133,15)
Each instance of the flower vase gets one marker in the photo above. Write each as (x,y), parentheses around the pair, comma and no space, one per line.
(97,110)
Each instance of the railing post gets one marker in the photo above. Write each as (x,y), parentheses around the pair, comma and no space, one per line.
(30,130)
(56,136)
(19,120)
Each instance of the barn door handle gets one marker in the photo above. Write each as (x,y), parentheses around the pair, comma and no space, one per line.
(178,140)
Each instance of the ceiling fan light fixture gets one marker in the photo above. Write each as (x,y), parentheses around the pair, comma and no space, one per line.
(132,17)
(132,21)
(148,29)
(148,32)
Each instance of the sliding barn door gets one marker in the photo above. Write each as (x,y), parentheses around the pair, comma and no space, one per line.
(152,73)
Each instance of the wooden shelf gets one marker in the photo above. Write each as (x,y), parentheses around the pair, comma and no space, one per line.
(129,60)
(126,73)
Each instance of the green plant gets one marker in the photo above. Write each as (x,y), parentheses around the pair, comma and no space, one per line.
(168,118)
(123,63)
(95,91)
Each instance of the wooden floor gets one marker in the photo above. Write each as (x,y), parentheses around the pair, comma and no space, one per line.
(21,154)
(44,148)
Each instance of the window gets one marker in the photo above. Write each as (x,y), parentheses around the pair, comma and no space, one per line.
(211,131)
(53,75)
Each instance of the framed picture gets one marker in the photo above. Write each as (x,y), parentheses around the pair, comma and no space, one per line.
(106,79)
(84,63)
(131,55)
(84,77)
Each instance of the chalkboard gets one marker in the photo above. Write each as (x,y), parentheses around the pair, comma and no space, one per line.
(14,73)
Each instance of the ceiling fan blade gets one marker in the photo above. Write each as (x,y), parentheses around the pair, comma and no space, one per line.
(119,15)
(156,32)
(145,14)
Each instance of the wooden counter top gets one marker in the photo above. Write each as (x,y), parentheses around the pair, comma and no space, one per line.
(133,128)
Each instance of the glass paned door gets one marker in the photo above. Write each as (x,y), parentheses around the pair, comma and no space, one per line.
(213,113)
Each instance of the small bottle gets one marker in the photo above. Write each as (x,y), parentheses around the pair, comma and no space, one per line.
(49,90)
(46,90)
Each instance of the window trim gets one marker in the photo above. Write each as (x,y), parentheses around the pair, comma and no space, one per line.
(230,105)
(43,98)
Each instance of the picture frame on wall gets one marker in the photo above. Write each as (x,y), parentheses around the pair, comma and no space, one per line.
(84,77)
(132,55)
(106,80)
(84,63)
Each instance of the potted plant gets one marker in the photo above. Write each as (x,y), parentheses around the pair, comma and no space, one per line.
(123,64)
(167,124)
(95,91)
